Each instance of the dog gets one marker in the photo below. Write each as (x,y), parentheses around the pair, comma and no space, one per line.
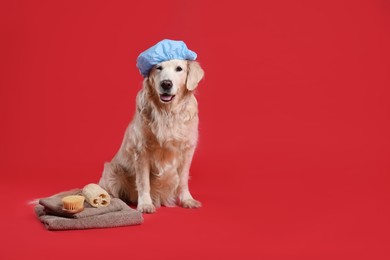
(152,165)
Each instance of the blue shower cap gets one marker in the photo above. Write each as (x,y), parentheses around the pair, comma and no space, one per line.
(163,51)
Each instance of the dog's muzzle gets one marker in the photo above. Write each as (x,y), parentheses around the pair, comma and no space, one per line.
(166,86)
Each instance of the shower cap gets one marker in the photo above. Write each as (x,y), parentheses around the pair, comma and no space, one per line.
(163,51)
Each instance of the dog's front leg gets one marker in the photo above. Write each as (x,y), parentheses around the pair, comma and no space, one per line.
(186,199)
(145,204)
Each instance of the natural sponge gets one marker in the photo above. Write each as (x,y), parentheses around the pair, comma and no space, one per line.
(96,196)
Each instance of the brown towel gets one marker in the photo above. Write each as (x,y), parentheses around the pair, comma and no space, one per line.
(50,213)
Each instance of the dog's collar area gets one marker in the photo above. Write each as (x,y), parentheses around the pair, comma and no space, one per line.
(166,98)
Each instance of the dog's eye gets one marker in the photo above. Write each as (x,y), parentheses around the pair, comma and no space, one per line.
(159,68)
(178,68)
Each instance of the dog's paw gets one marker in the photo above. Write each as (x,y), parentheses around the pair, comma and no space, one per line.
(146,208)
(191,204)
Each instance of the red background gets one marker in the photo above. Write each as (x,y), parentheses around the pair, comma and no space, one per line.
(293,158)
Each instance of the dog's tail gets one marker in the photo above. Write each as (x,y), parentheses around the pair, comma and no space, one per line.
(33,202)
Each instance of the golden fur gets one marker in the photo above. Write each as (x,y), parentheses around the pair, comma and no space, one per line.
(152,165)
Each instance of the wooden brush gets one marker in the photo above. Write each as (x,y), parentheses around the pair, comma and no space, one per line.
(73,204)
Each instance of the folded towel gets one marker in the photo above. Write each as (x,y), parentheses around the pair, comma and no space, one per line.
(53,206)
(51,214)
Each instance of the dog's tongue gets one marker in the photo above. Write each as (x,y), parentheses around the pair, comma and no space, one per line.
(166,97)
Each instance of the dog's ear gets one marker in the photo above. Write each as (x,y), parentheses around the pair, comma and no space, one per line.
(148,81)
(145,83)
(141,96)
(194,75)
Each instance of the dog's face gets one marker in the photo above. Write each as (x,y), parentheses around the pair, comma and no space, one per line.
(171,79)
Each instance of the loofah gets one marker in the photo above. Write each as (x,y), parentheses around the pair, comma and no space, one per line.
(96,196)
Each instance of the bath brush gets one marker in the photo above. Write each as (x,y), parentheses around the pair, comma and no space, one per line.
(73,204)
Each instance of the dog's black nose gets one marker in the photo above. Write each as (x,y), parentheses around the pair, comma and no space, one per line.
(166,84)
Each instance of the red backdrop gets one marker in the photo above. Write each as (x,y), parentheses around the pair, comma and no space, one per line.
(293,158)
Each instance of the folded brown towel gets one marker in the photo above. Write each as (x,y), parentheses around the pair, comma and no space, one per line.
(51,214)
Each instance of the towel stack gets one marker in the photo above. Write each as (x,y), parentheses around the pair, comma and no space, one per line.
(116,214)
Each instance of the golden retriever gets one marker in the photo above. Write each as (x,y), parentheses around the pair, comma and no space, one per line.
(152,165)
